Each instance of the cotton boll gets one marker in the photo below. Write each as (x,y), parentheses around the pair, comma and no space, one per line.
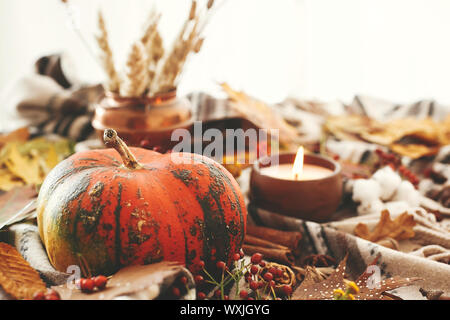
(376,206)
(406,192)
(397,207)
(366,190)
(389,182)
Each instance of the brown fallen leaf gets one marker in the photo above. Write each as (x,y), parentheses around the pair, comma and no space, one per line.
(19,135)
(139,282)
(15,200)
(401,228)
(17,277)
(310,289)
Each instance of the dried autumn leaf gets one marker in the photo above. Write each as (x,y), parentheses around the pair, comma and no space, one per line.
(139,281)
(324,290)
(8,181)
(22,166)
(13,201)
(17,277)
(401,228)
(19,135)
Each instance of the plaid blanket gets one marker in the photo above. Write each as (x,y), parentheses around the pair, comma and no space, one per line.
(49,103)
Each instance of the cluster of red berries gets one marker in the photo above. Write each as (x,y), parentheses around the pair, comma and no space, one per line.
(51,294)
(260,277)
(389,159)
(259,271)
(88,285)
(221,267)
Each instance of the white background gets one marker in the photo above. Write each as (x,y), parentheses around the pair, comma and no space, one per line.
(326,49)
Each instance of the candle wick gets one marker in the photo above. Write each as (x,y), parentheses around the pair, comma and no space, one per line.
(296,176)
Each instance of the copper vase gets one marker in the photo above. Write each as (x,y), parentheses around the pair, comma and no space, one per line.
(149,120)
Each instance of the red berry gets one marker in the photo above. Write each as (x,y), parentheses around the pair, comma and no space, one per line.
(39,296)
(262,264)
(279,273)
(201,264)
(260,284)
(201,295)
(272,283)
(87,285)
(287,290)
(254,285)
(225,297)
(236,256)
(250,298)
(268,276)
(273,270)
(243,294)
(217,293)
(221,265)
(254,269)
(176,291)
(198,279)
(184,280)
(256,258)
(52,295)
(100,282)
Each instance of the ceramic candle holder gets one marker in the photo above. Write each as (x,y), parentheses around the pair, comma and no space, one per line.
(314,200)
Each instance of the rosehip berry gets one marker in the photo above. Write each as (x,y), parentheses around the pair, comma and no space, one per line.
(225,297)
(217,293)
(279,273)
(184,280)
(256,258)
(39,296)
(262,264)
(100,282)
(287,290)
(254,269)
(268,276)
(198,279)
(260,284)
(221,265)
(273,270)
(201,295)
(176,291)
(272,283)
(254,285)
(243,294)
(87,285)
(52,295)
(236,257)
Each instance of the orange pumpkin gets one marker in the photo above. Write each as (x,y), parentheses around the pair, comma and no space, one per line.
(112,208)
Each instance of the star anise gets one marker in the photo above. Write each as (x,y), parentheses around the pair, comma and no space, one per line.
(324,290)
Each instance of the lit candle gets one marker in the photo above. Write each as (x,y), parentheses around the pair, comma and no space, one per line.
(297,171)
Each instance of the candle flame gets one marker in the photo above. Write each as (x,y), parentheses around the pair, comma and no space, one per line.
(297,169)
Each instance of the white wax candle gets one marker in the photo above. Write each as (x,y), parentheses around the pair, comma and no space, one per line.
(284,171)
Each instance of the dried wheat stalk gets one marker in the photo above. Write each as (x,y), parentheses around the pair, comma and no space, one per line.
(106,56)
(153,45)
(188,41)
(137,75)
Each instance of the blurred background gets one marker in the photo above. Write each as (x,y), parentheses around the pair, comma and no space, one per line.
(325,49)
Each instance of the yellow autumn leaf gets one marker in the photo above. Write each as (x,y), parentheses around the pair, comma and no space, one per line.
(23,166)
(8,181)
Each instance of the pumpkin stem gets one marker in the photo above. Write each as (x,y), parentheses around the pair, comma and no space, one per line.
(112,140)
